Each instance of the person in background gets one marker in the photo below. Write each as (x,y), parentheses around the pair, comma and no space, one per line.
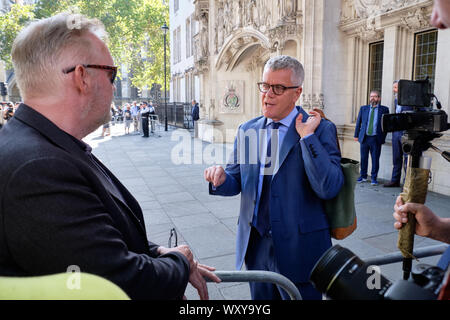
(135,115)
(127,118)
(145,113)
(399,159)
(370,136)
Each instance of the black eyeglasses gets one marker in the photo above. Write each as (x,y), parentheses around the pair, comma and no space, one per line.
(277,89)
(113,70)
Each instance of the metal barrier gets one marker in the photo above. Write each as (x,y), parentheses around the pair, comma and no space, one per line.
(178,114)
(291,289)
(260,276)
(397,256)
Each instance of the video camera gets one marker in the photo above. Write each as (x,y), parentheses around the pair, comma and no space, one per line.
(416,94)
(423,123)
(341,275)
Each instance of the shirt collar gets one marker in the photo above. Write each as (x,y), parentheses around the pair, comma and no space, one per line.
(83,146)
(287,120)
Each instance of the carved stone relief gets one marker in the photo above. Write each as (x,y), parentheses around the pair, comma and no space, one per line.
(366,19)
(287,10)
(310,101)
(235,15)
(368,8)
(201,40)
(416,19)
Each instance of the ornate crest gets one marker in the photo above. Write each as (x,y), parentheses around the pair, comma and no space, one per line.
(231,99)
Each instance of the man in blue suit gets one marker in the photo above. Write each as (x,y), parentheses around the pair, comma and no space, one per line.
(370,136)
(399,159)
(282,225)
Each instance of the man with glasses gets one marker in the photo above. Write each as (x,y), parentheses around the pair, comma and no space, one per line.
(369,134)
(60,206)
(282,225)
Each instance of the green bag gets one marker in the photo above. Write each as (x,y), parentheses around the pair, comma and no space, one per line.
(341,210)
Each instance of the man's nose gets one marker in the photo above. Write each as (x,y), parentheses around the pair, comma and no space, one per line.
(270,92)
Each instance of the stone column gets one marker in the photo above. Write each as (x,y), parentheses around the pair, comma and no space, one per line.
(313,51)
(390,60)
(442,76)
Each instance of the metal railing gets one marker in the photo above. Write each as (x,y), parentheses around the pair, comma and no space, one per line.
(178,114)
(260,276)
(397,256)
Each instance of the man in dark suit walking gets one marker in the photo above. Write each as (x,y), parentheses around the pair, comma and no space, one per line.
(370,135)
(399,159)
(195,112)
(282,224)
(60,206)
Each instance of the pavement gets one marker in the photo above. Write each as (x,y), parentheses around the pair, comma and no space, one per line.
(165,174)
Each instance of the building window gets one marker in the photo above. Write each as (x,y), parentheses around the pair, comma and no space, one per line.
(175,89)
(178,52)
(177,45)
(174,46)
(187,83)
(376,66)
(188,38)
(425,56)
(193,33)
(176,5)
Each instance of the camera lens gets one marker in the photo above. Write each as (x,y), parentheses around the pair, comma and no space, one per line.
(341,275)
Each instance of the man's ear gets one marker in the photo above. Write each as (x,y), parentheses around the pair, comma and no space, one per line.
(81,79)
(298,92)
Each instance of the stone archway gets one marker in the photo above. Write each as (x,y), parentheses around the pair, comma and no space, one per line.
(238,68)
(237,45)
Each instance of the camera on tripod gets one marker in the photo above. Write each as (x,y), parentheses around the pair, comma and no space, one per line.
(416,94)
(423,123)
(341,275)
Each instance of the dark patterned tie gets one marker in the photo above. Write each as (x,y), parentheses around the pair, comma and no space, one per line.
(372,117)
(263,217)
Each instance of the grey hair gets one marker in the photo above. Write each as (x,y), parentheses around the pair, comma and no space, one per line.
(286,62)
(41,47)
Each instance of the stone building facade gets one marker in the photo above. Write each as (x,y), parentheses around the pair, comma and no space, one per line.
(348,47)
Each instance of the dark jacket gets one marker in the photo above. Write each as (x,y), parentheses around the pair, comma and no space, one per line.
(58,209)
(195,112)
(361,124)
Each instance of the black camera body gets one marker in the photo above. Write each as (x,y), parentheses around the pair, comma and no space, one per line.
(341,275)
(420,120)
(416,94)
(422,124)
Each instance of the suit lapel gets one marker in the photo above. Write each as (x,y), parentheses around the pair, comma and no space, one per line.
(254,168)
(291,138)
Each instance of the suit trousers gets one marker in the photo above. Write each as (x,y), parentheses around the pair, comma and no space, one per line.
(260,256)
(399,159)
(145,126)
(370,145)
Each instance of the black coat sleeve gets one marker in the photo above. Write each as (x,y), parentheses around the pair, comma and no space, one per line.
(53,219)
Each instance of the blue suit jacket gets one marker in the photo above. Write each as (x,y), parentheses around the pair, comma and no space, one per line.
(361,123)
(309,171)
